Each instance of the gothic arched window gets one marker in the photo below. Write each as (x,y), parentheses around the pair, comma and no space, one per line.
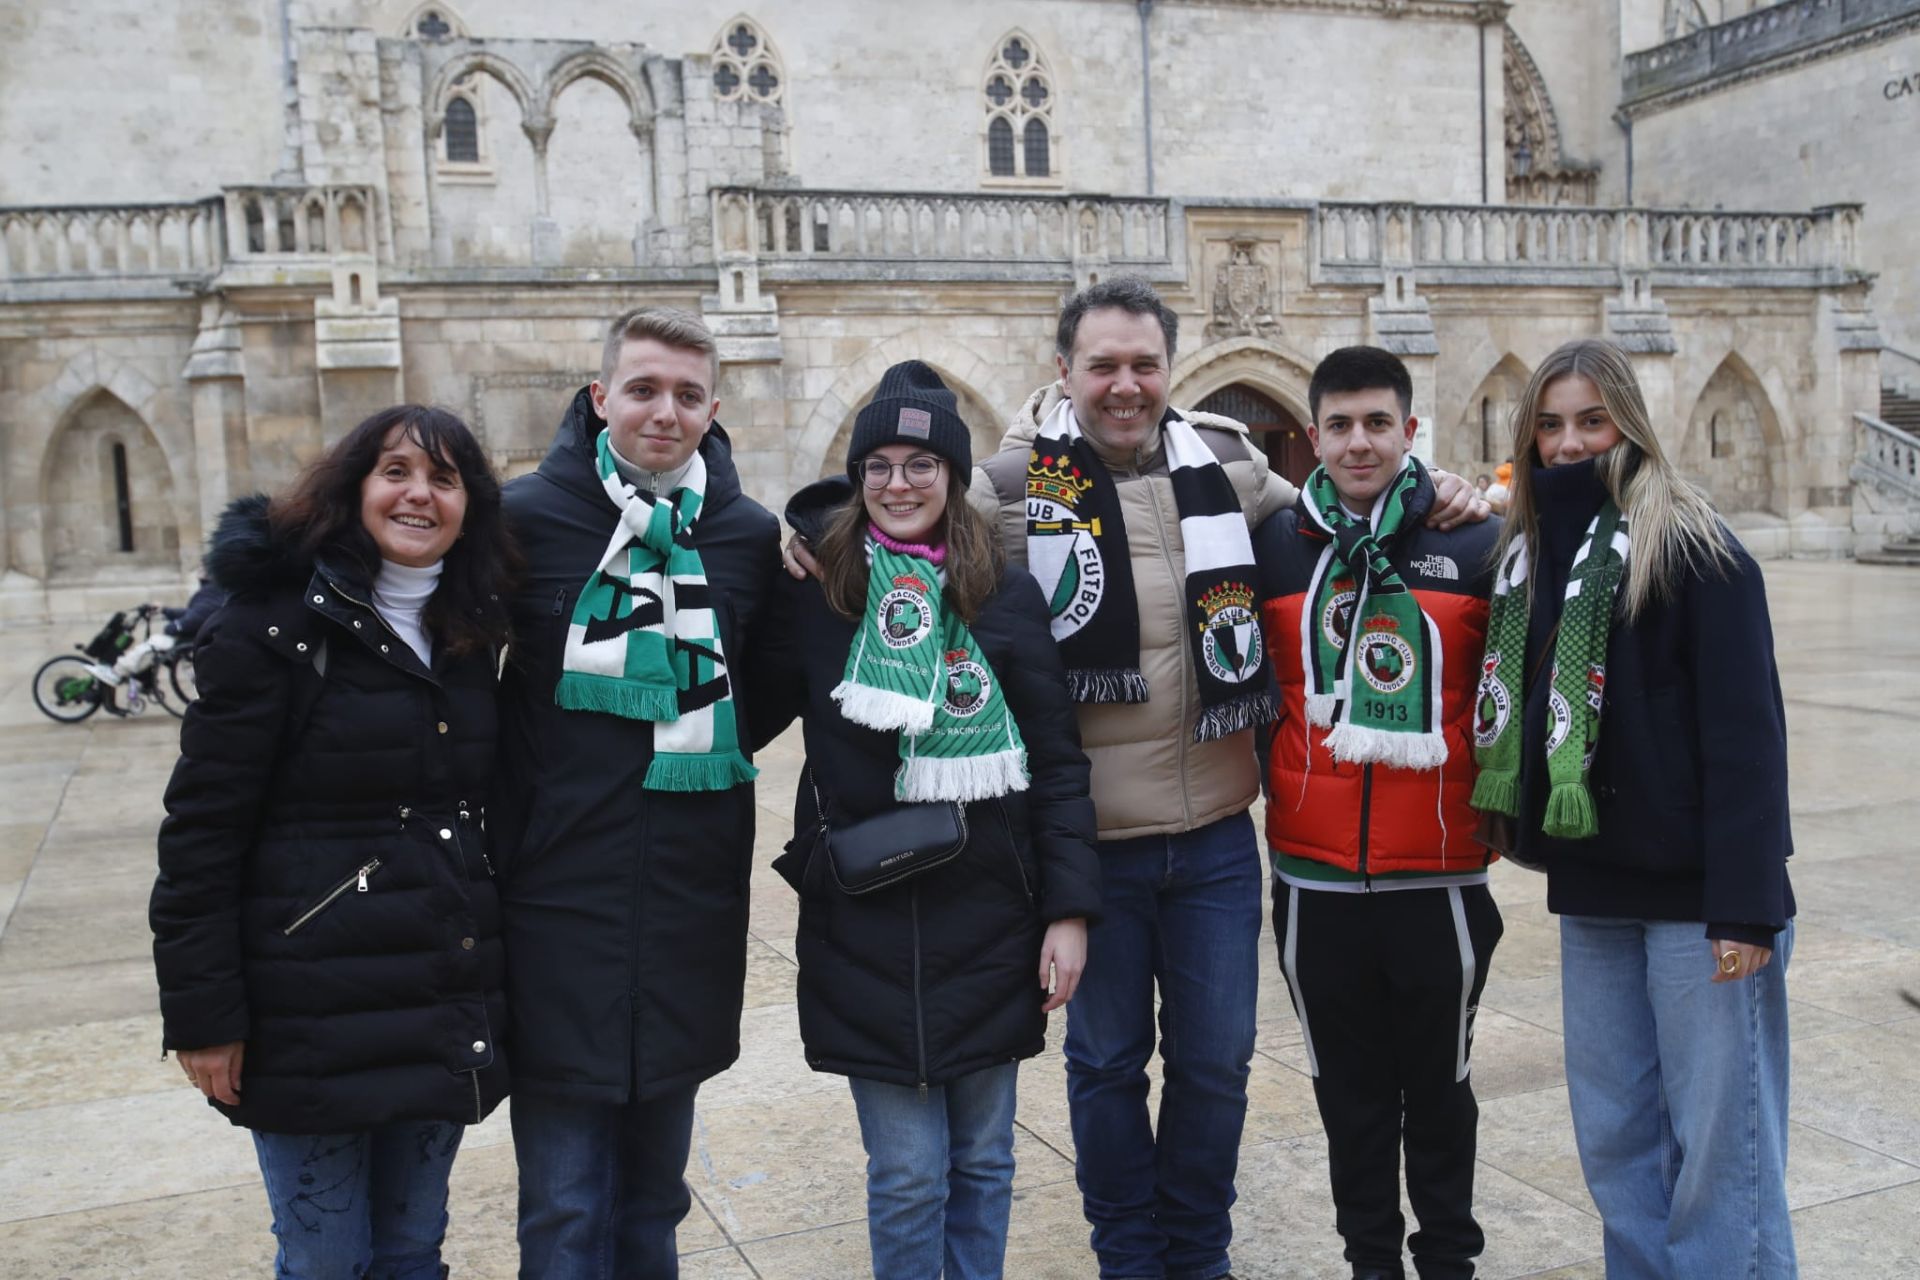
(463,133)
(746,66)
(1019,94)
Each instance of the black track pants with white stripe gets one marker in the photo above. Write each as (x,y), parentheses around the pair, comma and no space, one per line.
(1386,986)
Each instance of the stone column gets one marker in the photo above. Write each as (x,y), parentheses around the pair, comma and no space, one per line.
(546,232)
(357,353)
(216,375)
(753,398)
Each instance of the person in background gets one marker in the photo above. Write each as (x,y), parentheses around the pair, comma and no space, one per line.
(325,927)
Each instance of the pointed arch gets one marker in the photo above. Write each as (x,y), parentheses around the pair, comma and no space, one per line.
(747,67)
(1486,421)
(1733,444)
(983,389)
(1019,139)
(448,80)
(598,64)
(1538,169)
(1268,366)
(106,491)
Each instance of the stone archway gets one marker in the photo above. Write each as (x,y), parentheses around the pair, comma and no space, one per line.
(106,493)
(1733,446)
(810,454)
(1485,436)
(1268,367)
(984,427)
(1277,429)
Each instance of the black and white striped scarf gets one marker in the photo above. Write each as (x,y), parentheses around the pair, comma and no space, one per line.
(1077,549)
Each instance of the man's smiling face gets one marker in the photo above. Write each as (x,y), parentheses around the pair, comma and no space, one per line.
(1116,377)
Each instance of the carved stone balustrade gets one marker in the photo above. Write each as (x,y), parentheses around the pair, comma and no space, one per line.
(1521,245)
(300,222)
(803,234)
(1728,50)
(142,242)
(1887,455)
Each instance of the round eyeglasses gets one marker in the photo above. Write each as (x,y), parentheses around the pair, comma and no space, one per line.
(921,470)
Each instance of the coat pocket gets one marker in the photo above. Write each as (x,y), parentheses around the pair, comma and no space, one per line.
(359,882)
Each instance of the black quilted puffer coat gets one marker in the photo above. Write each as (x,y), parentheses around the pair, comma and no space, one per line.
(324,891)
(937,977)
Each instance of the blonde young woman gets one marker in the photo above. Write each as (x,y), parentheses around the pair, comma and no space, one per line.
(1632,742)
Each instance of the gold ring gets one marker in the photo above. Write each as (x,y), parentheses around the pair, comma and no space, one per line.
(1729,962)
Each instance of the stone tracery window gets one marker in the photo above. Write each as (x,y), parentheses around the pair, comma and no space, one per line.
(1019,95)
(434,21)
(746,66)
(463,133)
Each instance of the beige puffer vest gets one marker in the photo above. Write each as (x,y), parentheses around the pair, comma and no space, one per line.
(1149,776)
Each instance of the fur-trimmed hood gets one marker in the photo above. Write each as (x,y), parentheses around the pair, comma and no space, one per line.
(246,556)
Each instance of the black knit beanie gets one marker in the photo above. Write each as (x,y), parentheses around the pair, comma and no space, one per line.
(912,406)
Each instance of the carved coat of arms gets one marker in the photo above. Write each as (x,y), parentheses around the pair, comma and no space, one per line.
(1242,296)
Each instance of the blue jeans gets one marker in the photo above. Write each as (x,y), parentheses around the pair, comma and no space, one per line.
(1182,911)
(939,1175)
(371,1204)
(1679,1096)
(602,1186)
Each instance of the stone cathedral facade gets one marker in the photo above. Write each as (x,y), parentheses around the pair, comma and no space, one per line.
(229,229)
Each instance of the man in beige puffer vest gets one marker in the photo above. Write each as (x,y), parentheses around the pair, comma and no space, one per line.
(1181,871)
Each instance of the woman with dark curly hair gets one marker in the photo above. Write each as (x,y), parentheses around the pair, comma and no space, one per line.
(326,931)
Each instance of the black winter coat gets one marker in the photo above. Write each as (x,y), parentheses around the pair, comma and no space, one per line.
(1689,777)
(324,892)
(626,909)
(936,977)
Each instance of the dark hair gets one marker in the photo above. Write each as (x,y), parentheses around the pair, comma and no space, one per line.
(320,515)
(1125,293)
(1360,369)
(973,563)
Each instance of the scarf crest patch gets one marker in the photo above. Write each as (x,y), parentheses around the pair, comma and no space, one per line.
(915,668)
(1372,657)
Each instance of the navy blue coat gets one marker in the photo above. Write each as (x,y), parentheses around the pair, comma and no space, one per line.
(626,909)
(1690,775)
(324,891)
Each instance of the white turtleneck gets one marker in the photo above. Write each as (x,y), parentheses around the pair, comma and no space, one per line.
(400,592)
(651,481)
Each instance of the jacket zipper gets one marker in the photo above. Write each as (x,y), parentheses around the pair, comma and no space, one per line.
(1013,850)
(919,1016)
(478,1115)
(357,880)
(1185,734)
(485,861)
(1366,820)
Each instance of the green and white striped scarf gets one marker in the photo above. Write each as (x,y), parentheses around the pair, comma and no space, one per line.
(915,667)
(644,642)
(1579,680)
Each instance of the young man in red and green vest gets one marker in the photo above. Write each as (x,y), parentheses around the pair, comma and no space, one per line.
(1375,624)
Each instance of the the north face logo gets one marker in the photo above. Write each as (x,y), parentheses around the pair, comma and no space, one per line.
(1436,567)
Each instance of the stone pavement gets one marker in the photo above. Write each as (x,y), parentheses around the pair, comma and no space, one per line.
(110,1167)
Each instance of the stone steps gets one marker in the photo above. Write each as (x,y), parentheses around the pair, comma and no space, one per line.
(1899,410)
(1904,550)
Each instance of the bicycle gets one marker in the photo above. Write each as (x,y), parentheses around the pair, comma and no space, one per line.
(70,687)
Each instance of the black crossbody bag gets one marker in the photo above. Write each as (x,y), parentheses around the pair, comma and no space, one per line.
(892,845)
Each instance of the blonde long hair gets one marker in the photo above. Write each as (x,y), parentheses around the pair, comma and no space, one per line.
(1673,528)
